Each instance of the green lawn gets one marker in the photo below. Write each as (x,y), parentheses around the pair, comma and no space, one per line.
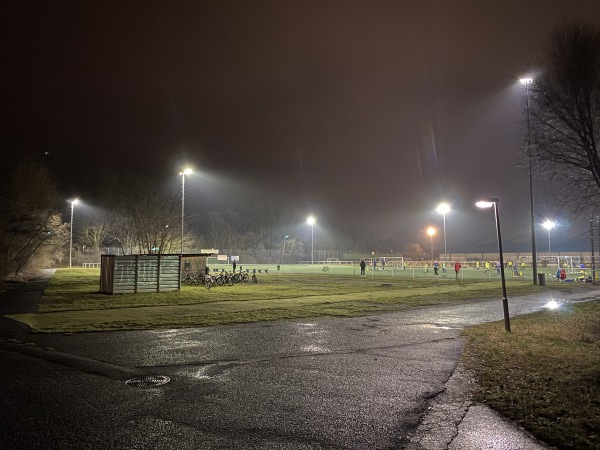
(545,375)
(72,303)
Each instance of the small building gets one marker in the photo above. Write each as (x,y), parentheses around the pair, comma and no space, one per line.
(131,274)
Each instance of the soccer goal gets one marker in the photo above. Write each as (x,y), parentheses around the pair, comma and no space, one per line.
(393,261)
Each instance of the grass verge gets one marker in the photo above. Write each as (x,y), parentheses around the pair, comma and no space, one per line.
(545,375)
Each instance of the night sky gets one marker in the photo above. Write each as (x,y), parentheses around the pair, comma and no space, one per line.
(362,112)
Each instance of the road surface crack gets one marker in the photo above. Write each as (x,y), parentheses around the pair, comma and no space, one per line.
(447,409)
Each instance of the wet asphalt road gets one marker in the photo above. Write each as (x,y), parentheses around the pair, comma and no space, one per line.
(360,383)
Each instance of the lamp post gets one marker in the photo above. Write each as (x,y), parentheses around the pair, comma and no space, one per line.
(443,209)
(548,225)
(431,232)
(526,82)
(73,203)
(311,221)
(185,172)
(487,203)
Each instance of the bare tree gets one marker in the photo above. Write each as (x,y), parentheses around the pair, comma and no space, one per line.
(29,224)
(291,248)
(565,116)
(146,218)
(93,234)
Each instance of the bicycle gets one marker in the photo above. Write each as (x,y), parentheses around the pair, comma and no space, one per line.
(237,277)
(191,279)
(208,281)
(225,277)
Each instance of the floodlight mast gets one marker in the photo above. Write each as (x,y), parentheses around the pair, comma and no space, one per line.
(431,232)
(311,221)
(183,173)
(73,203)
(487,203)
(548,225)
(443,209)
(526,82)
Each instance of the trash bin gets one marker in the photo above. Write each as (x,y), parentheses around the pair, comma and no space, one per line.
(542,279)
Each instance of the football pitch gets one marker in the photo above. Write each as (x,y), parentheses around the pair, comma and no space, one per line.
(410,272)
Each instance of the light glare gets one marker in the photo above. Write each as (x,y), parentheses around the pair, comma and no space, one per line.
(443,208)
(484,204)
(548,224)
(552,304)
(526,80)
(311,220)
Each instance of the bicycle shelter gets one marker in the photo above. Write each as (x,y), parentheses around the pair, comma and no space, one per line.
(147,273)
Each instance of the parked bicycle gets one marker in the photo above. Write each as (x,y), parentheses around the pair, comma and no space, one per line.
(239,276)
(191,279)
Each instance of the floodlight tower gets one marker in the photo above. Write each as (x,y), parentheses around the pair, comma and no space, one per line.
(443,209)
(548,225)
(431,232)
(526,82)
(73,203)
(311,221)
(183,173)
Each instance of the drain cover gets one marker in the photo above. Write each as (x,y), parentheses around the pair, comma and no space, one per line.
(148,381)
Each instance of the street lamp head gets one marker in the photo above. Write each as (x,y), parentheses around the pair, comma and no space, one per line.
(486,202)
(443,208)
(431,231)
(311,220)
(74,202)
(186,171)
(548,224)
(525,81)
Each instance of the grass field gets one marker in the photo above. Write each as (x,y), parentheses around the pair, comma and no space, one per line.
(72,303)
(545,375)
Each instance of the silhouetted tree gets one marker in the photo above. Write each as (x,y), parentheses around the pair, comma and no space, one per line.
(565,116)
(145,218)
(94,232)
(31,231)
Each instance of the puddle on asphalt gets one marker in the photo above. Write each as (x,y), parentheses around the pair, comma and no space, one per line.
(213,370)
(314,349)
(441,327)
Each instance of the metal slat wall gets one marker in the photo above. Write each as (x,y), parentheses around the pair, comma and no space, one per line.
(139,273)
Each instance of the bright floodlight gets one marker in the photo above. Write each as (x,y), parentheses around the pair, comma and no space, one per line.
(431,231)
(186,171)
(484,204)
(75,202)
(526,80)
(443,208)
(548,224)
(311,220)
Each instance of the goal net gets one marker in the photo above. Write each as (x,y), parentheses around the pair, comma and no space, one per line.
(389,261)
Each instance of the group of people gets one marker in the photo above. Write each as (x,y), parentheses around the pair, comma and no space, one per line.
(436,268)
